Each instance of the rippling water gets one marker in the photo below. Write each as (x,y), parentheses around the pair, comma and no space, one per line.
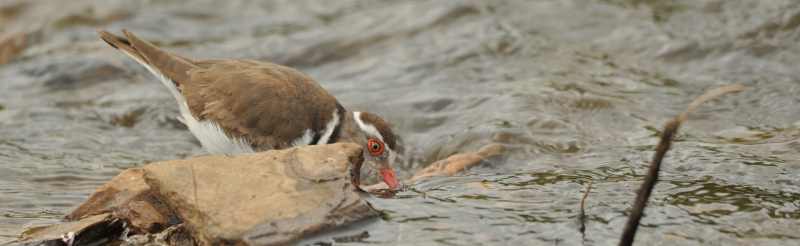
(576,89)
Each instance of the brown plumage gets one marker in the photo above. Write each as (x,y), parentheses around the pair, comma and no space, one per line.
(382,127)
(239,106)
(208,85)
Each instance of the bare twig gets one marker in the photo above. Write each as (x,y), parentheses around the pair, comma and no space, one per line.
(582,215)
(649,182)
(670,129)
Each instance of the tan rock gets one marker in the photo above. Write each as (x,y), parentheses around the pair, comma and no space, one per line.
(459,162)
(119,191)
(62,231)
(449,166)
(11,45)
(266,198)
(127,196)
(300,190)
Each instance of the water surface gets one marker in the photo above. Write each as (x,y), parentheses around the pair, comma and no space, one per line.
(576,89)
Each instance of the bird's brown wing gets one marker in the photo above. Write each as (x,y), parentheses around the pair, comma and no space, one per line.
(170,65)
(266,104)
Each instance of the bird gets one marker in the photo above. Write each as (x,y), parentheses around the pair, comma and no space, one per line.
(235,106)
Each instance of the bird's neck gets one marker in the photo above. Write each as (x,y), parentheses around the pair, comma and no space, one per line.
(349,129)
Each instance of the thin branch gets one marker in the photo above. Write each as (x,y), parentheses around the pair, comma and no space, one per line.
(649,182)
(582,215)
(670,129)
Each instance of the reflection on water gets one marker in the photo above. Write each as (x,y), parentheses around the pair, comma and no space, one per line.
(577,90)
(738,198)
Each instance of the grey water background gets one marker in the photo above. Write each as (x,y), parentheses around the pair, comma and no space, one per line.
(576,89)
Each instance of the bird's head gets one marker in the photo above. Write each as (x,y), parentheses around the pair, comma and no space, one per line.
(379,143)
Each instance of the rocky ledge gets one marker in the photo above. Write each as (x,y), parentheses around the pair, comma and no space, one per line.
(273,197)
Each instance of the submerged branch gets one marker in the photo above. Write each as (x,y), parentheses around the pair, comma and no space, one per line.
(582,215)
(670,129)
(649,182)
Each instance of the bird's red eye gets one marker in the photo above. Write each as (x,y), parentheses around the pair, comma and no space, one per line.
(375,147)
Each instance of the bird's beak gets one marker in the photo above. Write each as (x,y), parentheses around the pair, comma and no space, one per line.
(388,175)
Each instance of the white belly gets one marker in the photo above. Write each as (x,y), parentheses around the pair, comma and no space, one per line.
(210,135)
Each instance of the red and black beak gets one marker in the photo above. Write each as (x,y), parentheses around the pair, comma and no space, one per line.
(386,172)
(389,177)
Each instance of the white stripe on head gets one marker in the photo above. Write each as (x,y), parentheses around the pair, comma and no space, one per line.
(329,128)
(371,130)
(368,128)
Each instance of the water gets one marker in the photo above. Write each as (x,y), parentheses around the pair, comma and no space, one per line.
(576,89)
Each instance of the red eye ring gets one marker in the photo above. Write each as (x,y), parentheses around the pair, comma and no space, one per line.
(375,147)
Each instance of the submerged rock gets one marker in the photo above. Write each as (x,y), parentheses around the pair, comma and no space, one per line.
(273,197)
(91,229)
(11,45)
(449,166)
(459,162)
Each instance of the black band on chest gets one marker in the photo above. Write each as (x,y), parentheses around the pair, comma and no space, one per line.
(337,130)
(317,135)
(316,138)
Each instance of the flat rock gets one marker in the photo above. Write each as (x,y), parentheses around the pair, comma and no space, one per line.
(62,233)
(266,198)
(11,45)
(222,198)
(449,166)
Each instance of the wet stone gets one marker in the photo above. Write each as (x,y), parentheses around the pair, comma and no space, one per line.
(11,46)
(266,198)
(128,119)
(433,105)
(91,229)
